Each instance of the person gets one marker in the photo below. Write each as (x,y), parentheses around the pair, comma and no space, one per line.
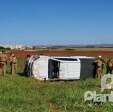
(110,66)
(13,64)
(99,67)
(26,70)
(3,62)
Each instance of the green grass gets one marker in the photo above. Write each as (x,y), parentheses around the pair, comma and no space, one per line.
(22,94)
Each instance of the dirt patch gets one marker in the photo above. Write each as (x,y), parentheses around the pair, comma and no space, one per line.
(63,52)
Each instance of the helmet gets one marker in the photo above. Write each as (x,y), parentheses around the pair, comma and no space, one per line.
(99,56)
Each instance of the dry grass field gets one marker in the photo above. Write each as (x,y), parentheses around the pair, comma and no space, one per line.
(105,52)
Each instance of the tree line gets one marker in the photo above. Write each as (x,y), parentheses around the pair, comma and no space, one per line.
(3,49)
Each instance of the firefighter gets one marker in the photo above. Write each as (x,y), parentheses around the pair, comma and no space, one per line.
(13,64)
(99,67)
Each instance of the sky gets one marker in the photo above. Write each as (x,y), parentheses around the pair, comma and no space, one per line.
(56,22)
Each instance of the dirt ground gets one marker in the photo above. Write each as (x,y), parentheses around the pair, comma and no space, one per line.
(105,52)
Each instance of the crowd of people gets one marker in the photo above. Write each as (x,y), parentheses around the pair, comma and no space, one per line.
(4,60)
(101,64)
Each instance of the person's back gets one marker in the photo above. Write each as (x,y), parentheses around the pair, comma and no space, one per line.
(99,67)
(110,66)
(99,63)
(3,60)
(13,63)
(14,60)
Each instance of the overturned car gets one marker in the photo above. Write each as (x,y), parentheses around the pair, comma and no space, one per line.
(61,68)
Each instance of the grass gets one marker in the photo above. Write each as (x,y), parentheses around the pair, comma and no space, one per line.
(22,94)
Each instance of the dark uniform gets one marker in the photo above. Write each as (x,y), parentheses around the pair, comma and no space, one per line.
(26,69)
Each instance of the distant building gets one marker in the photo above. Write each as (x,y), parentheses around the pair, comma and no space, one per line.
(20,47)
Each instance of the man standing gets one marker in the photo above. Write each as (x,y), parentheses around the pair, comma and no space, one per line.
(3,61)
(99,67)
(26,70)
(110,66)
(13,62)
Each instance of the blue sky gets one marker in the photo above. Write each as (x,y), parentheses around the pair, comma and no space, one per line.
(52,22)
